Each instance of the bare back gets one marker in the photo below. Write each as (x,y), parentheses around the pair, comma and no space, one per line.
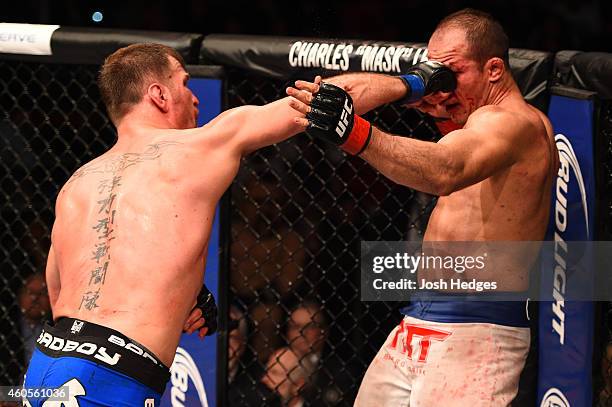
(132,230)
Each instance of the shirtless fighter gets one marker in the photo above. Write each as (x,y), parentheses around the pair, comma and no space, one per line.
(493,177)
(130,237)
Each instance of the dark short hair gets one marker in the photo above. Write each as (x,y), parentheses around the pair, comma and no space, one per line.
(485,35)
(125,72)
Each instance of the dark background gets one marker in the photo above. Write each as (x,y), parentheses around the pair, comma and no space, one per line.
(536,24)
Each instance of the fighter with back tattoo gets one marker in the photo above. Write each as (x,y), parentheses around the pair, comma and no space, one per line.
(130,237)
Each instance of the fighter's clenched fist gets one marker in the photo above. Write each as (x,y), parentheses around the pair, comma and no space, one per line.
(330,115)
(427,78)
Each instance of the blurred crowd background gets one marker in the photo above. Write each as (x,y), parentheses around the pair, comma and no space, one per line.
(536,24)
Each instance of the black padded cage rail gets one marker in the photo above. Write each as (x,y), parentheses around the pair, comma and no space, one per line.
(287,57)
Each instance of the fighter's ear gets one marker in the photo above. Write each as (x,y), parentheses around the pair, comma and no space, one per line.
(495,68)
(158,94)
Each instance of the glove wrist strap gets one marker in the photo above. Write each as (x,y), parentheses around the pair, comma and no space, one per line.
(415,86)
(359,138)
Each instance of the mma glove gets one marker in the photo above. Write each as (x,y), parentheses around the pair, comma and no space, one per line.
(206,302)
(426,78)
(333,119)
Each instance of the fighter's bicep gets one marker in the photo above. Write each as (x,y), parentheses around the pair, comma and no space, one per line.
(220,119)
(477,154)
(235,128)
(248,128)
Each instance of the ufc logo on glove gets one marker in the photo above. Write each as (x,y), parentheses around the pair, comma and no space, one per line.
(344,118)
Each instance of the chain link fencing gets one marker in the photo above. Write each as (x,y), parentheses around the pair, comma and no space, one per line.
(52,121)
(299,212)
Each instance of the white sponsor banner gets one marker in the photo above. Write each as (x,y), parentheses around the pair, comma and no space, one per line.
(31,39)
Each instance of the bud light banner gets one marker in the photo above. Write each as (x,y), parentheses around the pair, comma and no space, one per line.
(193,372)
(566,327)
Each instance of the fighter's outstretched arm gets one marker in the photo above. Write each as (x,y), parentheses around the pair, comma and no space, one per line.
(464,157)
(369,90)
(460,159)
(266,125)
(424,86)
(249,127)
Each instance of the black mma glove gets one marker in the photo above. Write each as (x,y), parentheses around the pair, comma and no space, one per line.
(333,119)
(206,302)
(426,78)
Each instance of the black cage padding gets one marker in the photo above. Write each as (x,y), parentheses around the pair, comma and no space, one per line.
(293,57)
(585,70)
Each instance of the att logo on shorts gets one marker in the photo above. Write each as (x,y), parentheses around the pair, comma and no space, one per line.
(409,336)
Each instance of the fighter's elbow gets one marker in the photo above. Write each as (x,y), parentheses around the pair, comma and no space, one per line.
(444,189)
(447,178)
(440,186)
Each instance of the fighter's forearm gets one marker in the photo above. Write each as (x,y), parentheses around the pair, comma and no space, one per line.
(269,124)
(370,90)
(422,165)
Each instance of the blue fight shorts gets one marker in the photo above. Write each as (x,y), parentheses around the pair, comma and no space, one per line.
(95,366)
(508,313)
